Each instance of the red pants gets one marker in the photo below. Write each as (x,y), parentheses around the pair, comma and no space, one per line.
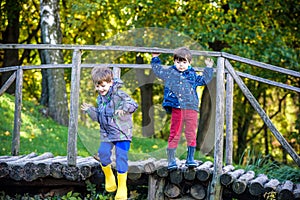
(183,118)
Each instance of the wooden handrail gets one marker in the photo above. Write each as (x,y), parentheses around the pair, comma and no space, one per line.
(76,65)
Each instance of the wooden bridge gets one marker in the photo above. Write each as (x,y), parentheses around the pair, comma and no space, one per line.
(52,174)
(221,180)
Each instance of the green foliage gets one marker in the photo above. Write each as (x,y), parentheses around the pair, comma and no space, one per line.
(72,196)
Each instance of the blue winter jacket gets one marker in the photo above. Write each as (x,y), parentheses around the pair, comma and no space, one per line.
(180,87)
(112,126)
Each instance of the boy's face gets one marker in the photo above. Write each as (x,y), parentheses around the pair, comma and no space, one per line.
(103,87)
(181,65)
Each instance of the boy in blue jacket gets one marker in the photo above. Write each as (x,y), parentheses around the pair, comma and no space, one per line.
(181,100)
(114,114)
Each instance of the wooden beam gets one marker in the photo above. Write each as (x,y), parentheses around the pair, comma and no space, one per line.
(104,48)
(74,105)
(8,83)
(229,119)
(262,113)
(261,64)
(15,147)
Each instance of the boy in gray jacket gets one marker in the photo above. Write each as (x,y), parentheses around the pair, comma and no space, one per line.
(114,114)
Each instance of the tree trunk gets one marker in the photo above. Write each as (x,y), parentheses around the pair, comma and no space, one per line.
(11,36)
(53,79)
(146,86)
(206,129)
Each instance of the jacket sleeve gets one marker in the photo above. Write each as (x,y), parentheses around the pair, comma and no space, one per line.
(93,113)
(157,68)
(125,102)
(206,77)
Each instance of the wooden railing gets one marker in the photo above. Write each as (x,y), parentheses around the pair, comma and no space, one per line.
(222,114)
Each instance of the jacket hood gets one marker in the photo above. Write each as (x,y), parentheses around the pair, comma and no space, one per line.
(118,83)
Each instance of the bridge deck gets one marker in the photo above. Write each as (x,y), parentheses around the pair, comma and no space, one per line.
(46,170)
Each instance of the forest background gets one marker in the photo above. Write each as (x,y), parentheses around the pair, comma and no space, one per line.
(266,31)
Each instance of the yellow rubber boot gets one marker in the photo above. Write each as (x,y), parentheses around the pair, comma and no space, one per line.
(110,180)
(122,187)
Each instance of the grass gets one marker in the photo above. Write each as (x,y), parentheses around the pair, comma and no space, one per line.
(41,134)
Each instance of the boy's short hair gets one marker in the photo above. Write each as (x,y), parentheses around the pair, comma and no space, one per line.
(100,74)
(182,54)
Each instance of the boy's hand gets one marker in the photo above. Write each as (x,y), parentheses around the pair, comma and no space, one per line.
(155,54)
(85,106)
(209,62)
(120,112)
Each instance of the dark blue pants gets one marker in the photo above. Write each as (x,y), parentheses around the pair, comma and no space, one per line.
(121,147)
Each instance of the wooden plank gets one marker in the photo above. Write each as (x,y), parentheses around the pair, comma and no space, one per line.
(229,119)
(215,187)
(262,113)
(15,147)
(74,104)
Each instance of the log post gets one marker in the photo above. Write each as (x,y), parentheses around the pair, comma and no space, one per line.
(74,104)
(17,118)
(156,187)
(215,187)
(229,119)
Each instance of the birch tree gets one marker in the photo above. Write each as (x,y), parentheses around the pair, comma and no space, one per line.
(53,83)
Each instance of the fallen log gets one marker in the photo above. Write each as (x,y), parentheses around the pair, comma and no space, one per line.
(204,171)
(239,186)
(72,173)
(176,176)
(10,158)
(198,191)
(256,186)
(271,185)
(85,167)
(33,171)
(135,170)
(150,165)
(172,190)
(227,168)
(189,173)
(56,167)
(296,191)
(162,170)
(229,177)
(286,191)
(4,169)
(16,170)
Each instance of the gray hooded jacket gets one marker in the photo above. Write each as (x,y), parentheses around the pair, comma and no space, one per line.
(112,126)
